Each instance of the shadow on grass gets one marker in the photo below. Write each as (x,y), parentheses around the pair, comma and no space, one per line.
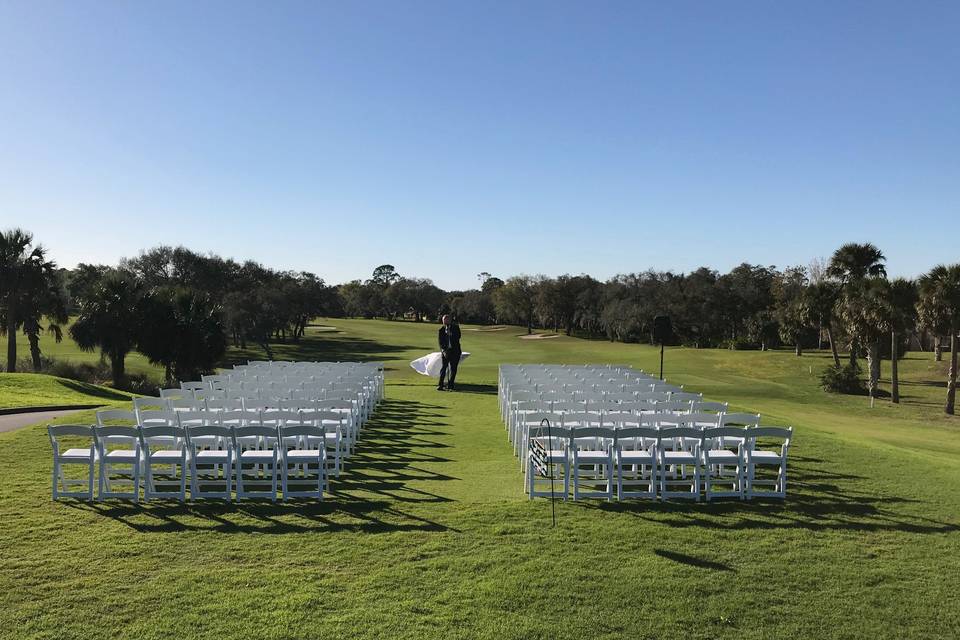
(379,479)
(815,502)
(691,560)
(92,390)
(322,347)
(484,389)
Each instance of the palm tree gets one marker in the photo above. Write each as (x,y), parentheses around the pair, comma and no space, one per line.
(902,318)
(108,320)
(819,302)
(863,309)
(852,263)
(49,301)
(25,277)
(939,310)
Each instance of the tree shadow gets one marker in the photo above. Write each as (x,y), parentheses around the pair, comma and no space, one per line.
(92,390)
(322,347)
(484,389)
(369,497)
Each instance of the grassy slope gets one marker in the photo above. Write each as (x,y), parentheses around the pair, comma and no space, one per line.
(429,535)
(32,390)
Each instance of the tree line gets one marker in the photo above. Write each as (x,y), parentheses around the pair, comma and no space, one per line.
(182,309)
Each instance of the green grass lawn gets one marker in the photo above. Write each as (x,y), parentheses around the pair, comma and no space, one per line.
(33,390)
(428,534)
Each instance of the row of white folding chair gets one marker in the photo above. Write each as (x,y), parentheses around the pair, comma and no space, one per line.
(334,416)
(598,457)
(210,454)
(533,417)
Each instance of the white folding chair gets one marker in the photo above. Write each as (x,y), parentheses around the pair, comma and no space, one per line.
(722,452)
(591,451)
(165,462)
(79,456)
(118,450)
(758,455)
(679,462)
(211,460)
(255,447)
(635,461)
(547,453)
(304,463)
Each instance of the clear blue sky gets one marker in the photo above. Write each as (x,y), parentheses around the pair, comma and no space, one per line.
(449,138)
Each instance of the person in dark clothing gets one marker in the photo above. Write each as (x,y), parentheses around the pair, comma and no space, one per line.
(449,338)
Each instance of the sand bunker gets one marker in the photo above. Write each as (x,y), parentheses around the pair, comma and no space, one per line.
(539,336)
(493,328)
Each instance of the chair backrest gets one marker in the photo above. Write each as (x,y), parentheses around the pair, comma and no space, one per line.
(606,433)
(116,416)
(186,404)
(568,407)
(201,430)
(702,420)
(57,431)
(784,434)
(740,419)
(297,430)
(175,393)
(704,406)
(680,432)
(738,435)
(557,433)
(672,406)
(148,401)
(631,433)
(162,436)
(194,385)
(195,418)
(116,435)
(256,431)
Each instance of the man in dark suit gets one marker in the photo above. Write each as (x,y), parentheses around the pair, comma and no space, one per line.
(449,338)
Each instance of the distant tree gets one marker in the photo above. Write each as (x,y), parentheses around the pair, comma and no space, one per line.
(181,330)
(849,265)
(515,300)
(28,281)
(44,310)
(820,299)
(791,313)
(939,307)
(863,307)
(108,320)
(384,275)
(902,318)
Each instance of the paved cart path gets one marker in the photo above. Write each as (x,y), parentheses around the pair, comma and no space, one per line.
(18,420)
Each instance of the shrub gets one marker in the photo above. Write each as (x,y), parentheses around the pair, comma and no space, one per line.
(843,379)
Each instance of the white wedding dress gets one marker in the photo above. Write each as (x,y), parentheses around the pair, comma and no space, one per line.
(430,364)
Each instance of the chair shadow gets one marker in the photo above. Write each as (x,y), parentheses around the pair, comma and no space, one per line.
(369,496)
(692,561)
(816,501)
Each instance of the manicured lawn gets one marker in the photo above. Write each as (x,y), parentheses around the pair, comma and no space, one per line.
(428,534)
(31,390)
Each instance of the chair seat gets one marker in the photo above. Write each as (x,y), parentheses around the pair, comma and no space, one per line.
(128,455)
(679,457)
(212,455)
(257,454)
(166,454)
(592,455)
(76,454)
(765,457)
(722,456)
(304,454)
(636,456)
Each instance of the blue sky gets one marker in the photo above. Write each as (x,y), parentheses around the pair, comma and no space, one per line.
(450,138)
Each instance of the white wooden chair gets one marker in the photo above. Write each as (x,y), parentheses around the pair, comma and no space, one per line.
(305,462)
(165,462)
(79,456)
(591,456)
(118,451)
(758,455)
(635,461)
(546,455)
(722,452)
(679,462)
(255,447)
(211,460)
